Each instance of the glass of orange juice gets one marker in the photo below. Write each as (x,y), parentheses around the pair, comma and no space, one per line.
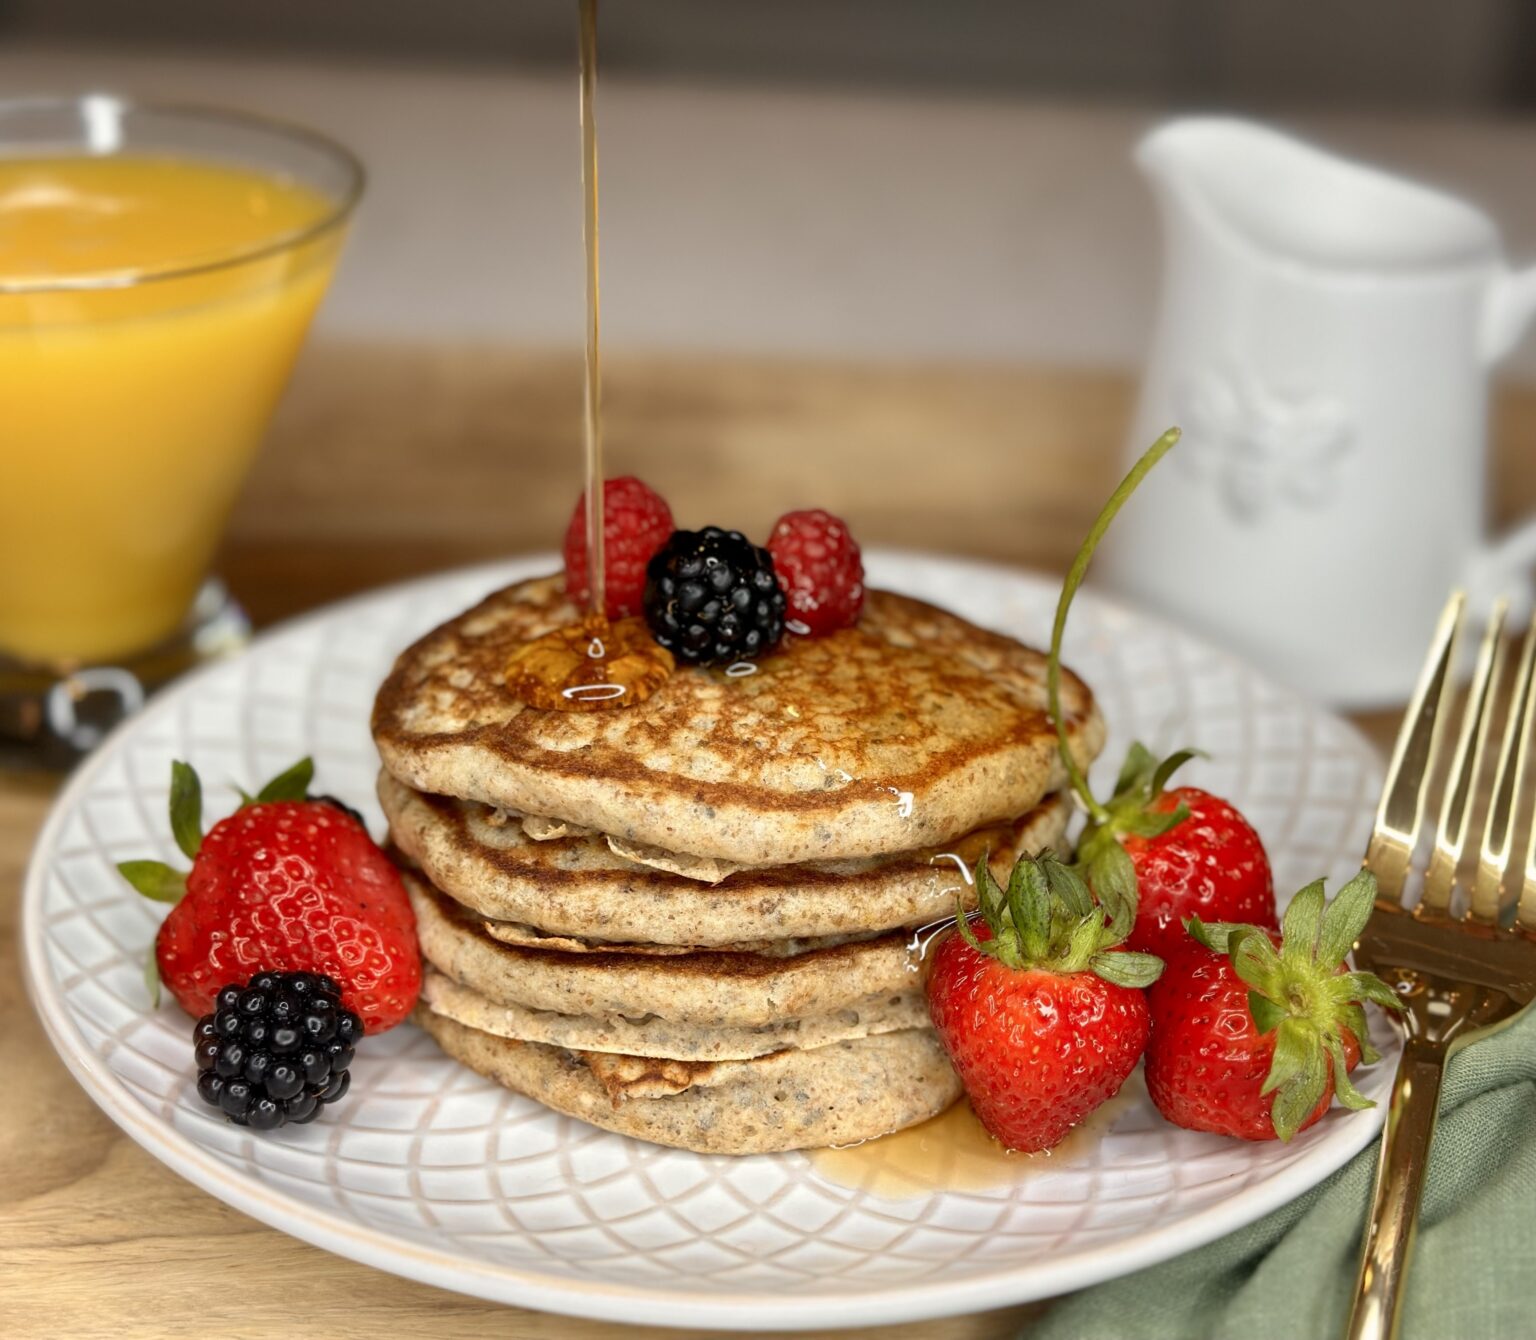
(159,268)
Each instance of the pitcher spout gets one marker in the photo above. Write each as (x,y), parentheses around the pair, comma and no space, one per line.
(1284,198)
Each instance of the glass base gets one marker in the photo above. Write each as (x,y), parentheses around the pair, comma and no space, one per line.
(52,715)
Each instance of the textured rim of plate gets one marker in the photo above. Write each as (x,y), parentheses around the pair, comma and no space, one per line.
(615,1302)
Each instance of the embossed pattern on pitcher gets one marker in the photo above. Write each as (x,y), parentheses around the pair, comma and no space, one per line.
(1259,446)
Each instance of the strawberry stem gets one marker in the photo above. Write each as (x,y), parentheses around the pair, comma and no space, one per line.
(1074,579)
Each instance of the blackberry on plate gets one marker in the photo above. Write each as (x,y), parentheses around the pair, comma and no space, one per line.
(712,595)
(276,1049)
(341,805)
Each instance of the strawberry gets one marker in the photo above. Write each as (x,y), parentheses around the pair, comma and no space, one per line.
(1254,1032)
(1166,855)
(1041,1013)
(1192,854)
(285,884)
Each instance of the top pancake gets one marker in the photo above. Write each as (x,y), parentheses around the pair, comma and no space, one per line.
(904,732)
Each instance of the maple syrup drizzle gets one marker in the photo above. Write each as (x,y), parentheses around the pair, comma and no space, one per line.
(596,663)
(953,1152)
(592,399)
(960,865)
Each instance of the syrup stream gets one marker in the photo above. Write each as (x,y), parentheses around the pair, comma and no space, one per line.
(592,422)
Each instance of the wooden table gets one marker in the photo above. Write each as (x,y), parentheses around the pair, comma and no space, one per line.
(387,462)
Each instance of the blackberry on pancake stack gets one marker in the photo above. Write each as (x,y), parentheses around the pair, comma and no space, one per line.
(689,919)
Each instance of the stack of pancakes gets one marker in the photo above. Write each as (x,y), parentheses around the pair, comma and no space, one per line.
(698,919)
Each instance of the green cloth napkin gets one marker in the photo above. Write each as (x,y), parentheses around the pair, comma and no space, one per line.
(1293,1273)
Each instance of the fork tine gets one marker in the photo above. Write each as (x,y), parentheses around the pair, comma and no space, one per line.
(1525,915)
(1493,866)
(1400,815)
(1466,767)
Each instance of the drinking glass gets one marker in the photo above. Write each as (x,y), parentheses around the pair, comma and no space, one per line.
(134,392)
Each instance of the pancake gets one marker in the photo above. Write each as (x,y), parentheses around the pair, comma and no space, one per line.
(897,735)
(578,888)
(706,990)
(833,1095)
(666,1039)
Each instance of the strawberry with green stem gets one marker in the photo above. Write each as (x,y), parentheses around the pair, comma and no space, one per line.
(287,883)
(1168,854)
(1254,1033)
(1040,1009)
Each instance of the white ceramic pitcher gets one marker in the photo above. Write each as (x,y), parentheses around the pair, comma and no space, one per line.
(1324,340)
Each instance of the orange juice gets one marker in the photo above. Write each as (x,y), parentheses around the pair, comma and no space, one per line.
(150,311)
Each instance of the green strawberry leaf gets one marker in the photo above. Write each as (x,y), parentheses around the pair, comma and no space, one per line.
(152,978)
(1214,935)
(1083,942)
(186,808)
(292,784)
(1140,763)
(1352,986)
(1127,968)
(1343,1087)
(1169,766)
(1151,823)
(1298,1095)
(989,895)
(1267,1016)
(1029,904)
(1352,1018)
(1294,1041)
(1067,886)
(1299,929)
(155,880)
(1255,961)
(1112,876)
(1345,919)
(963,925)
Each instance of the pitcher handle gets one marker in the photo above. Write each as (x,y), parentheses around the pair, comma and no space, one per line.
(1507,310)
(1507,566)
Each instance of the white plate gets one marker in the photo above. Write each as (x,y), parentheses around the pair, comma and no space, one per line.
(431,1172)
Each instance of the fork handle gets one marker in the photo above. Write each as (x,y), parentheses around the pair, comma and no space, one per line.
(1399,1180)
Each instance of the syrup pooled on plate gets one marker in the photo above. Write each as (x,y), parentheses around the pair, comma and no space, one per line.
(953,1152)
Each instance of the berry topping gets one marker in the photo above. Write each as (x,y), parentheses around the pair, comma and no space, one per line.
(276,1049)
(820,569)
(284,884)
(636,523)
(1039,1008)
(712,595)
(1254,1032)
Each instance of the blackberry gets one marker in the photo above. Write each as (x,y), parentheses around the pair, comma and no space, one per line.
(341,805)
(712,595)
(276,1049)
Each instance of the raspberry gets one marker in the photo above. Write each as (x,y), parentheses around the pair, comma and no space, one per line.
(820,569)
(636,523)
(711,595)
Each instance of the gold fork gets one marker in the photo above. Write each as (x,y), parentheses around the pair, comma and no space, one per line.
(1459,969)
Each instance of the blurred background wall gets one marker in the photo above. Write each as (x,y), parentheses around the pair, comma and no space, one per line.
(872,178)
